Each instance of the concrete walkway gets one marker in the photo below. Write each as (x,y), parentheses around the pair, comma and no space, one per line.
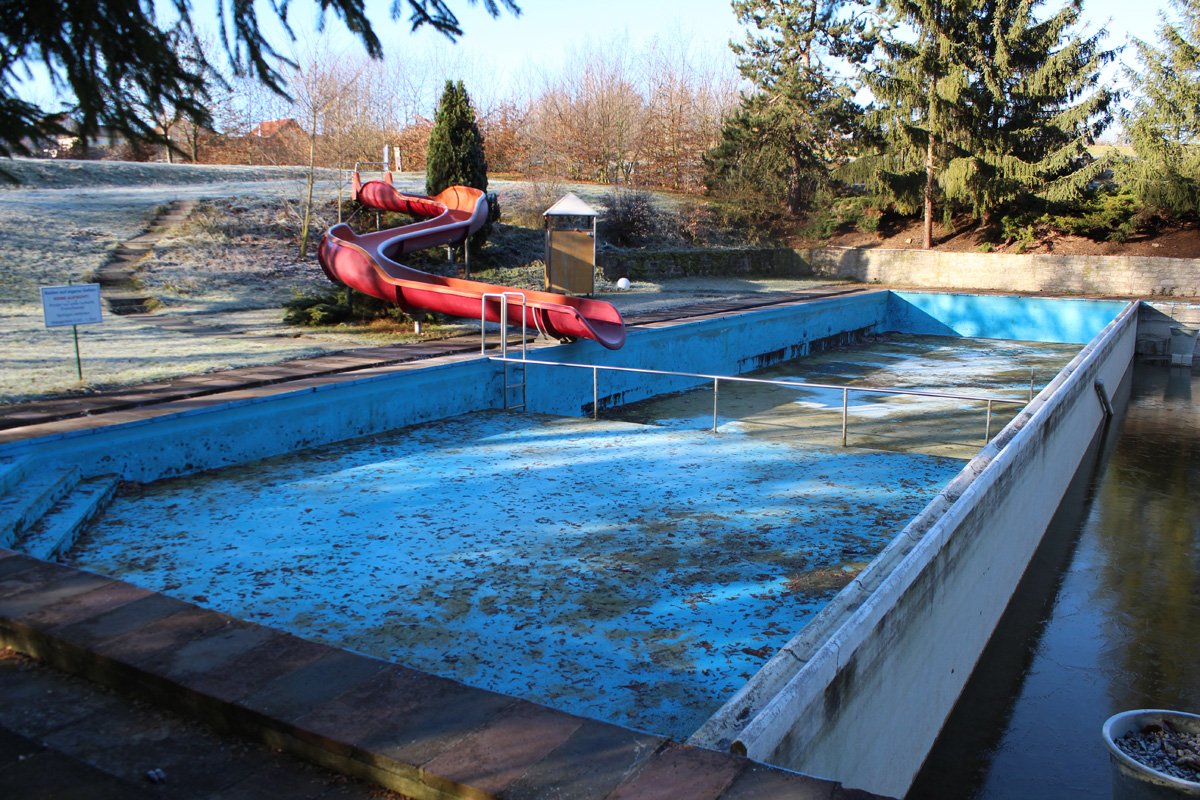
(117,278)
(62,736)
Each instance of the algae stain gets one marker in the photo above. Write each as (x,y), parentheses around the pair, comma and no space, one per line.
(824,579)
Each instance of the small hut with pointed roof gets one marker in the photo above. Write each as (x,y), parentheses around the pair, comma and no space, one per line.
(571,246)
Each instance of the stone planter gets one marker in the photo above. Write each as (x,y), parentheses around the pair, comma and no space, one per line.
(1133,780)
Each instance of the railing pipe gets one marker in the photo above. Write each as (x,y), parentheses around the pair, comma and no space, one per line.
(766,382)
(716,379)
(845,413)
(716,394)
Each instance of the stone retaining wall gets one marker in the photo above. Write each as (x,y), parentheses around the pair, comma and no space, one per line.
(1127,276)
(657,264)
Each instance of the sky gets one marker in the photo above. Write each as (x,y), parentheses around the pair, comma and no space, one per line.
(549,32)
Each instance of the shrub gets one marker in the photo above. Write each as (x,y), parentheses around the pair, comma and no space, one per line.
(338,306)
(832,214)
(631,217)
(1018,231)
(1112,215)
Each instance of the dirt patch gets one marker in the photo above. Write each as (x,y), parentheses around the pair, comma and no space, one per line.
(1175,241)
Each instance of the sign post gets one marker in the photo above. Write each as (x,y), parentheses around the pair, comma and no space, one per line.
(72,305)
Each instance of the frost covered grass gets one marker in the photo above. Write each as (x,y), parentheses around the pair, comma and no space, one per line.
(52,236)
(68,173)
(236,253)
(38,362)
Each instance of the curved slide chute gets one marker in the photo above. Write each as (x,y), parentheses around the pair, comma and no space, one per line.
(368,263)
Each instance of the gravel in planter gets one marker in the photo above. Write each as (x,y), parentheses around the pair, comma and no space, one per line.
(1162,747)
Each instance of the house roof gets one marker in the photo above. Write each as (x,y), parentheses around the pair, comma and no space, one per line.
(570,206)
(274,127)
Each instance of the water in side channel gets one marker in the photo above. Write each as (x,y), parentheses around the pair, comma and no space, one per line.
(1107,618)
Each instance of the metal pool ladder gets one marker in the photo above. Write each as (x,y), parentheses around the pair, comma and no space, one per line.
(514,370)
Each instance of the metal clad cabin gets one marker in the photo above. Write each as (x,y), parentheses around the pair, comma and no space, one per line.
(571,246)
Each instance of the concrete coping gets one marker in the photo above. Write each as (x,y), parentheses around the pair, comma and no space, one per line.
(410,731)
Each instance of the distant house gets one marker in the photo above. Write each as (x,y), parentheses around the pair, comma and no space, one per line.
(277,128)
(70,145)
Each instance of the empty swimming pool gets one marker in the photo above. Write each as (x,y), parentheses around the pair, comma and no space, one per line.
(657,576)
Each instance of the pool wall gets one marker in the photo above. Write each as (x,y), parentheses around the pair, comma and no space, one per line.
(184,442)
(326,411)
(1029,319)
(727,345)
(741,343)
(863,691)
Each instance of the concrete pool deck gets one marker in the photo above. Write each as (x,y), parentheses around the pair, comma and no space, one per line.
(66,737)
(401,728)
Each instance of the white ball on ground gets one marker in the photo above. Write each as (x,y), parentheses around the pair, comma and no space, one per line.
(623,283)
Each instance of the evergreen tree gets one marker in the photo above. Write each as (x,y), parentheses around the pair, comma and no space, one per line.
(113,56)
(1164,123)
(455,156)
(917,85)
(988,108)
(801,117)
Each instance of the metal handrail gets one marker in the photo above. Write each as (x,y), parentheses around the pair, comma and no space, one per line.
(716,379)
(503,298)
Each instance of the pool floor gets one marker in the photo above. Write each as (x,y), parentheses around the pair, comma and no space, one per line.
(626,572)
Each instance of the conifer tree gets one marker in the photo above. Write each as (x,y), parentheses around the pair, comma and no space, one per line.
(455,156)
(801,116)
(989,108)
(112,56)
(1164,122)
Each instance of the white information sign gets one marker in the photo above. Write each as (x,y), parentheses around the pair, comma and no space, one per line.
(71,305)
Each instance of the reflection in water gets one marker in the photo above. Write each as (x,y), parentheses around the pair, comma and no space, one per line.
(1120,633)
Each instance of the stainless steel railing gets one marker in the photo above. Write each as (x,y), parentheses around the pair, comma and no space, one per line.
(503,299)
(718,379)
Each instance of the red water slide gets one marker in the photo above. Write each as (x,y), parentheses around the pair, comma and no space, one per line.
(367,262)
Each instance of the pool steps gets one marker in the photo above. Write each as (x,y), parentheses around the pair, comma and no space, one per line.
(29,495)
(42,511)
(57,530)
